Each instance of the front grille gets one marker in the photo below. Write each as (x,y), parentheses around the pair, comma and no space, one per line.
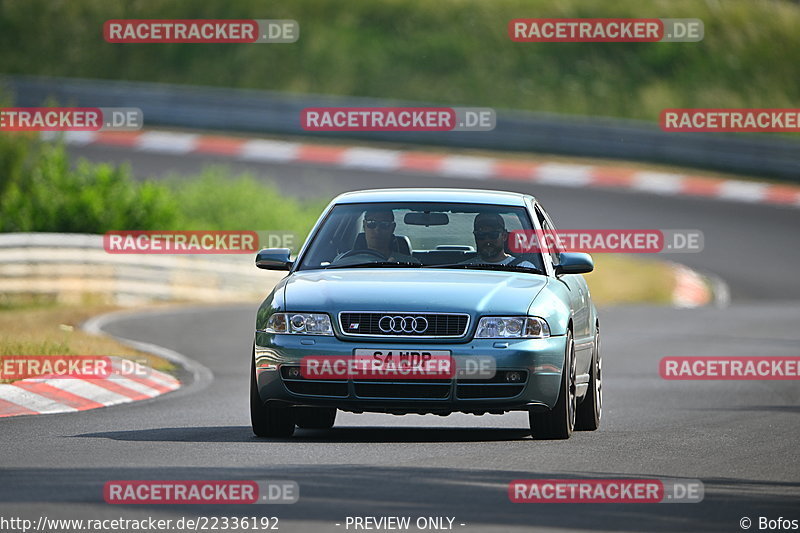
(369,324)
(493,388)
(499,377)
(428,389)
(397,390)
(494,391)
(312,387)
(317,388)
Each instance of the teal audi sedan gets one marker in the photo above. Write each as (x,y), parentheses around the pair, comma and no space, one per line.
(428,301)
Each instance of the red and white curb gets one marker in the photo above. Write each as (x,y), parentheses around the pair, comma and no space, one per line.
(693,289)
(445,165)
(33,396)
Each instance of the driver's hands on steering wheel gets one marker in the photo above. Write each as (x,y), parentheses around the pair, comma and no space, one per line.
(363,251)
(374,254)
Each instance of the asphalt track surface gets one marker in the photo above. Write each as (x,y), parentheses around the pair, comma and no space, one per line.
(740,438)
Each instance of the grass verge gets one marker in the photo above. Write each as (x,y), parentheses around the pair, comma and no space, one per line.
(34,328)
(625,279)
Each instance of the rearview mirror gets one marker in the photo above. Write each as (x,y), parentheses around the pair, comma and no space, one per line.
(274,259)
(426,219)
(574,263)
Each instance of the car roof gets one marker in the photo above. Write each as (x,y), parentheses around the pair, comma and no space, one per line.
(472,196)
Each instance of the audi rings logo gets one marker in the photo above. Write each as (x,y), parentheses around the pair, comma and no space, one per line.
(403,324)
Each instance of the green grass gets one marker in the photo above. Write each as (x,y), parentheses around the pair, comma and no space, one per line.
(454,52)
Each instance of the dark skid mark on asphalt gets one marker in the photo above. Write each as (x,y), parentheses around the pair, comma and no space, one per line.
(332,436)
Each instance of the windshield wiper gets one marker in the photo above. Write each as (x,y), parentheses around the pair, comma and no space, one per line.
(402,264)
(488,266)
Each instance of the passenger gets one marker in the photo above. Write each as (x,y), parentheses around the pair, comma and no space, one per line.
(489,230)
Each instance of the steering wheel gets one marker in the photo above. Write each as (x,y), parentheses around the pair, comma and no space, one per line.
(364,251)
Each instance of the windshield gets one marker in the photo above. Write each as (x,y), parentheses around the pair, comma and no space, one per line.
(420,235)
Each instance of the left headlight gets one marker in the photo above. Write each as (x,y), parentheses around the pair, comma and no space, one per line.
(512,327)
(299,324)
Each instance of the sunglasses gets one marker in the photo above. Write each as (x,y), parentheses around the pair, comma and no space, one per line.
(382,224)
(487,235)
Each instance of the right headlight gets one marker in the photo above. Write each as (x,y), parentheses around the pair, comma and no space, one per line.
(299,324)
(512,327)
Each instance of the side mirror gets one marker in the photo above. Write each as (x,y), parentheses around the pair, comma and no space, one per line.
(274,259)
(574,263)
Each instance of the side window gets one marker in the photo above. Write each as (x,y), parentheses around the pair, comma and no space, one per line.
(548,229)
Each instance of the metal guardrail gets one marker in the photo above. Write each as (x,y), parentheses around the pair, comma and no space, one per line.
(279,113)
(69,267)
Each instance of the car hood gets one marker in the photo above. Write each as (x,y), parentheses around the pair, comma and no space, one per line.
(431,290)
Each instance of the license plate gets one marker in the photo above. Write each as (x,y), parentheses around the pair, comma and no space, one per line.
(425,361)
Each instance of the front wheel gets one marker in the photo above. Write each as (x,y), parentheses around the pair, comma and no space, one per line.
(559,422)
(591,408)
(268,420)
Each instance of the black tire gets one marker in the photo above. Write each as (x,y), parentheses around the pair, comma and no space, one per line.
(559,422)
(268,420)
(315,417)
(590,410)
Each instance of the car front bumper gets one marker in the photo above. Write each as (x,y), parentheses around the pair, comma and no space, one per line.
(541,360)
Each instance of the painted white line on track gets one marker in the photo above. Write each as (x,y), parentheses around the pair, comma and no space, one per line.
(371,158)
(32,401)
(564,175)
(469,167)
(658,182)
(88,390)
(743,191)
(142,388)
(168,142)
(265,150)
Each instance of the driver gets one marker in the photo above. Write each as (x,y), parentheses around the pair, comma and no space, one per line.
(379,231)
(379,234)
(489,230)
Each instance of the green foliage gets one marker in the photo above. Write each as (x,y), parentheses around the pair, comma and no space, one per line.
(454,52)
(48,195)
(44,193)
(14,152)
(216,201)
